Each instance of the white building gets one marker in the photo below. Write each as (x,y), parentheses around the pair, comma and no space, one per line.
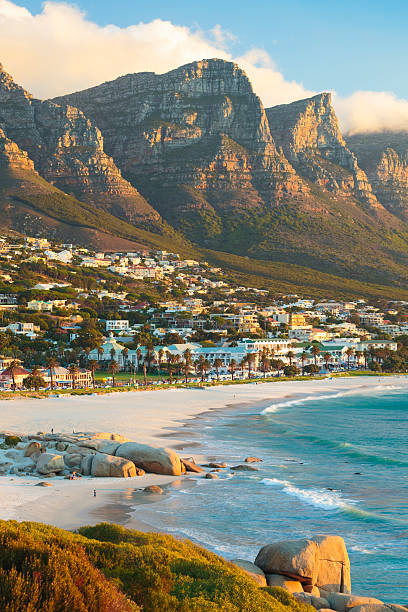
(117,325)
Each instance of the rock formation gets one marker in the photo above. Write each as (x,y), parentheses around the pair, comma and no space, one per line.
(384,157)
(197,133)
(308,132)
(67,150)
(90,454)
(315,571)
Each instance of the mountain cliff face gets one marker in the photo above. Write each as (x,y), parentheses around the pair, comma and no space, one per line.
(308,132)
(67,150)
(195,148)
(196,141)
(384,157)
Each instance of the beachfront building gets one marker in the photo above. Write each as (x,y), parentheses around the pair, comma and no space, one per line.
(226,353)
(19,374)
(110,350)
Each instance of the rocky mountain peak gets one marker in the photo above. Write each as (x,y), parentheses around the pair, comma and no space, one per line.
(309,133)
(66,149)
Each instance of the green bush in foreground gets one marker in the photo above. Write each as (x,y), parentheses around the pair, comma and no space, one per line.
(107,568)
(11,440)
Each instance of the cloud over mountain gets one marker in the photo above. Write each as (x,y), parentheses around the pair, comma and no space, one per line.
(59,50)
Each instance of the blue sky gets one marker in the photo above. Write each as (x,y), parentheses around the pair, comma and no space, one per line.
(343,45)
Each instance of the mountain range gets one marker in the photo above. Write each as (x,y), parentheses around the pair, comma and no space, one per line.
(191,160)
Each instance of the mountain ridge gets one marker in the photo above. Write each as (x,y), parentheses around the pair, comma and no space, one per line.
(193,155)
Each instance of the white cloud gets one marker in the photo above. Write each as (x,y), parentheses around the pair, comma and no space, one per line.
(60,50)
(372,111)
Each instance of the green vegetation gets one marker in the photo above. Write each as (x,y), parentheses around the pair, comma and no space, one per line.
(107,568)
(11,440)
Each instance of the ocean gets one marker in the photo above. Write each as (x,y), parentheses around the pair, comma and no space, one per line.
(332,463)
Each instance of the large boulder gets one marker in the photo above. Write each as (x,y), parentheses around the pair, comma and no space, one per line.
(31,448)
(251,570)
(342,602)
(86,464)
(379,607)
(108,465)
(321,561)
(72,460)
(291,585)
(104,435)
(101,445)
(151,459)
(50,462)
(334,565)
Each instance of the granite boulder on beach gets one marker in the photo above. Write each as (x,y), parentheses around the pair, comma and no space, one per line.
(101,454)
(316,571)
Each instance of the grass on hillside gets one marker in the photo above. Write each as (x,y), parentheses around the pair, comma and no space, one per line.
(107,568)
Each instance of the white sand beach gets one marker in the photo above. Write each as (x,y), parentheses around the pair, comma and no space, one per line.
(142,416)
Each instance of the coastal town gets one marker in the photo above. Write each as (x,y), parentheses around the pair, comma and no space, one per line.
(74,318)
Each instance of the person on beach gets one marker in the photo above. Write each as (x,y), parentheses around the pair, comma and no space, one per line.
(52,430)
(94,492)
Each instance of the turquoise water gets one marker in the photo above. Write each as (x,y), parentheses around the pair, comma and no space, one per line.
(333,463)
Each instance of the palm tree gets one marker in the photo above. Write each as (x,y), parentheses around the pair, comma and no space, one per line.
(327,358)
(366,355)
(112,354)
(250,361)
(87,350)
(12,368)
(93,364)
(113,368)
(73,369)
(170,362)
(315,350)
(51,364)
(279,365)
(358,355)
(139,358)
(242,365)
(218,363)
(125,353)
(160,354)
(232,367)
(177,362)
(187,363)
(149,354)
(303,358)
(290,355)
(349,353)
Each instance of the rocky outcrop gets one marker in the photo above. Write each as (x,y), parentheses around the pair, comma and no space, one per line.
(66,149)
(384,157)
(151,459)
(11,156)
(50,462)
(199,128)
(308,132)
(107,465)
(321,561)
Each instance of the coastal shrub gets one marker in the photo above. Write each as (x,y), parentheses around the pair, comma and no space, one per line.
(109,568)
(11,440)
(52,574)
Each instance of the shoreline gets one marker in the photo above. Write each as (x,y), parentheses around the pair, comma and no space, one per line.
(70,504)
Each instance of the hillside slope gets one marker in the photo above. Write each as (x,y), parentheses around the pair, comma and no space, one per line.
(107,568)
(279,185)
(67,150)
